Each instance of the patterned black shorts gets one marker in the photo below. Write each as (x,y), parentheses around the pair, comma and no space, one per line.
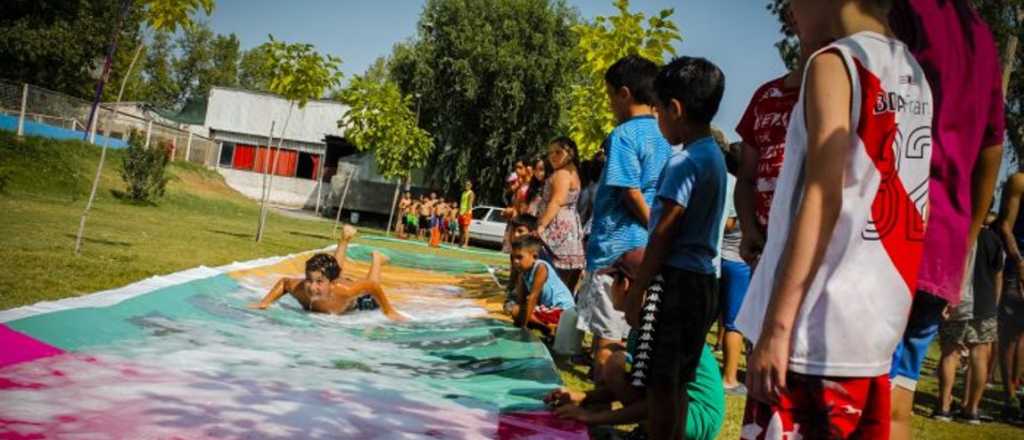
(677,314)
(365,302)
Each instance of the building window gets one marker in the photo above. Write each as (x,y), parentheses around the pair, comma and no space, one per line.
(227,151)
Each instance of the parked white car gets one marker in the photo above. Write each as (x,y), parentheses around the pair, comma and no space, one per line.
(488,225)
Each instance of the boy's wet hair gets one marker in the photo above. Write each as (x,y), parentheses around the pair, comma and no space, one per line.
(528,243)
(696,83)
(635,73)
(524,220)
(325,264)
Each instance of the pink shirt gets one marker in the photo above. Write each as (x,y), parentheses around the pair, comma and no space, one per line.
(959,57)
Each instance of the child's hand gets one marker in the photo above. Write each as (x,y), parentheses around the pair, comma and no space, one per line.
(573,412)
(767,367)
(563,396)
(259,306)
(397,316)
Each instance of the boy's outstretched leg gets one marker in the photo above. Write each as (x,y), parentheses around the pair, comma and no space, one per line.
(378,260)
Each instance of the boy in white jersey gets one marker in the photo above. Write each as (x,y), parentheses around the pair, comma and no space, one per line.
(831,295)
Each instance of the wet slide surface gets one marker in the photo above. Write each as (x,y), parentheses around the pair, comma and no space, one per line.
(183,357)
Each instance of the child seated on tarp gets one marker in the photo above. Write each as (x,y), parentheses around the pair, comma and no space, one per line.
(623,379)
(542,299)
(324,291)
(519,226)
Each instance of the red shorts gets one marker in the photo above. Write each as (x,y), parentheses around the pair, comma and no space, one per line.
(822,407)
(547,315)
(465,220)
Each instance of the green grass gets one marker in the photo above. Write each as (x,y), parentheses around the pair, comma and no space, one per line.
(203,222)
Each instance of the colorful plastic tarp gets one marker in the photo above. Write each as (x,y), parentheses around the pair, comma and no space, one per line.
(183,357)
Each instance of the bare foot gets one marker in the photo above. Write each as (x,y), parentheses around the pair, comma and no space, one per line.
(348,232)
(380,258)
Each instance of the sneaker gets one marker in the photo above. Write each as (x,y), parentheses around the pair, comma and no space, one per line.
(969,418)
(637,433)
(942,416)
(736,390)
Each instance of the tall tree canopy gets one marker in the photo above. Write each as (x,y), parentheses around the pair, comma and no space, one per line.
(602,43)
(491,76)
(61,44)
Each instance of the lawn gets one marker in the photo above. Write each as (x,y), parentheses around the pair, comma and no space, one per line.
(201,221)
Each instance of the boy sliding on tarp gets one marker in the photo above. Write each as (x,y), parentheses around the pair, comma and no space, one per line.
(323,290)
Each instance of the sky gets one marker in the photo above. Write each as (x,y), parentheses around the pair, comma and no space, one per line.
(737,35)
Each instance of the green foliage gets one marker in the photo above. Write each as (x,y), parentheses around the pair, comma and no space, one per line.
(143,169)
(169,15)
(381,119)
(789,45)
(491,76)
(160,89)
(298,73)
(60,44)
(252,69)
(601,44)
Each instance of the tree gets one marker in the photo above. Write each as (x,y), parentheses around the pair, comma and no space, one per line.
(159,88)
(298,73)
(223,70)
(252,69)
(489,75)
(381,119)
(602,43)
(196,59)
(60,44)
(160,15)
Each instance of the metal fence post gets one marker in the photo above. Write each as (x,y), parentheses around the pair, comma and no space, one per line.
(21,116)
(149,131)
(220,150)
(320,180)
(188,145)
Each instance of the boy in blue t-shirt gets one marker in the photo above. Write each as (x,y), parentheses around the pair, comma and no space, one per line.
(541,296)
(635,154)
(674,298)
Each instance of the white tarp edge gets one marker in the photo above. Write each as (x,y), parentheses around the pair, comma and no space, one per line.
(110,297)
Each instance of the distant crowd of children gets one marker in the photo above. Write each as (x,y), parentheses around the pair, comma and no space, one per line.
(833,237)
(436,219)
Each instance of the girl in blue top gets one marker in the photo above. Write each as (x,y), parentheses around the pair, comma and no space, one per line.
(541,295)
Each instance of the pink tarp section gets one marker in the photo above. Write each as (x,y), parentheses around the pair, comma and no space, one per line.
(538,425)
(21,348)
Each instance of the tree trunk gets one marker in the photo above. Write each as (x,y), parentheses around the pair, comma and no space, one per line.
(103,153)
(263,183)
(264,209)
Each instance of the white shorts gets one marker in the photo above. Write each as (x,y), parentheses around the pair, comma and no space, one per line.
(596,312)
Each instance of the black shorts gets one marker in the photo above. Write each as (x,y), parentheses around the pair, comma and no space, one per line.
(365,302)
(677,314)
(1011,317)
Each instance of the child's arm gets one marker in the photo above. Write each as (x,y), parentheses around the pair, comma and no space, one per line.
(658,246)
(526,310)
(280,288)
(744,198)
(632,413)
(827,110)
(634,201)
(559,191)
(1012,193)
(373,289)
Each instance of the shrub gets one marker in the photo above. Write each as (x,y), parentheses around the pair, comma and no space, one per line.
(143,169)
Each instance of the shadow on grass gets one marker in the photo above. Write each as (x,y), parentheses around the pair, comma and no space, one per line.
(123,197)
(101,241)
(231,234)
(308,235)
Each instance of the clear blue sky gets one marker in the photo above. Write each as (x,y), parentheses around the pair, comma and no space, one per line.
(738,35)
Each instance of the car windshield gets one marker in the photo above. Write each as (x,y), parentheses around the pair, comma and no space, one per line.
(496,216)
(480,213)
